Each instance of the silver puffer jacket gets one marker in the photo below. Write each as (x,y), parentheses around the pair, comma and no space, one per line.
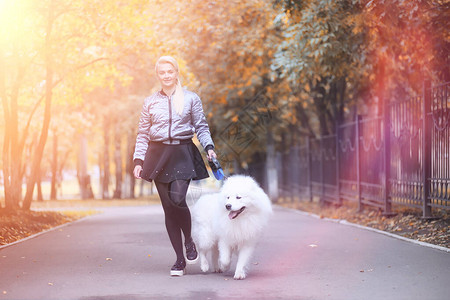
(159,122)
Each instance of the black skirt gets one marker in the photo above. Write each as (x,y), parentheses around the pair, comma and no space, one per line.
(167,163)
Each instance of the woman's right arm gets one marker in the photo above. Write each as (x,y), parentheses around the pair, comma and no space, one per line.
(143,137)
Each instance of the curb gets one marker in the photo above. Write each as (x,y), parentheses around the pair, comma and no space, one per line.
(345,222)
(46,231)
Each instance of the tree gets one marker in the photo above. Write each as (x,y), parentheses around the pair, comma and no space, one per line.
(322,58)
(228,46)
(407,42)
(73,41)
(16,58)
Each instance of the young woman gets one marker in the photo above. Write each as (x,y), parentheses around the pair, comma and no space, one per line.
(165,153)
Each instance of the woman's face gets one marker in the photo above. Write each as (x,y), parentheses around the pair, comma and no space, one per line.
(167,75)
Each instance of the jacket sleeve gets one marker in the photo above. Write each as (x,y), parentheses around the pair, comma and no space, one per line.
(143,135)
(200,124)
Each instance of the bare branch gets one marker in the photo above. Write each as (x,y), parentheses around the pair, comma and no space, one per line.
(22,142)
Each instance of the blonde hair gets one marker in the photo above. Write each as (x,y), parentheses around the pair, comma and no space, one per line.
(178,97)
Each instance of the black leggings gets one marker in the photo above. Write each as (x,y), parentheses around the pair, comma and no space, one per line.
(176,212)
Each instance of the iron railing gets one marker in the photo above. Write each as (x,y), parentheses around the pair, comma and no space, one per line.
(401,157)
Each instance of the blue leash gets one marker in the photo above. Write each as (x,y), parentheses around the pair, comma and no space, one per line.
(216,169)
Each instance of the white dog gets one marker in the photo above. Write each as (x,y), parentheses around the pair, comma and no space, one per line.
(230,221)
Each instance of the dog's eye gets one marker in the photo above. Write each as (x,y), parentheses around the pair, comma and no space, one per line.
(238,197)
(228,197)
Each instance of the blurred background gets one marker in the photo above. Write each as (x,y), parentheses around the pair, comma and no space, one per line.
(337,100)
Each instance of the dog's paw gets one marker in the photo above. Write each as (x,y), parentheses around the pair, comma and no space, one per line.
(224,265)
(239,275)
(204,266)
(218,270)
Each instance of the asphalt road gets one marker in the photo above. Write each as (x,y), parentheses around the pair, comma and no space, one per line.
(124,253)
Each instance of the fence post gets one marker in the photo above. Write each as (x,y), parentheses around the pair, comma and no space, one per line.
(358,163)
(322,181)
(308,152)
(291,172)
(426,149)
(387,157)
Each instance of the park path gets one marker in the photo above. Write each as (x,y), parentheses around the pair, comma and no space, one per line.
(124,253)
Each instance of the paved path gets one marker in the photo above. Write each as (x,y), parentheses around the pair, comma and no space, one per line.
(124,253)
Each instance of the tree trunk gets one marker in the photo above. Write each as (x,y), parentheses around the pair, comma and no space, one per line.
(106,174)
(35,167)
(54,167)
(303,116)
(342,91)
(40,197)
(84,179)
(271,167)
(118,163)
(60,177)
(141,188)
(6,138)
(100,171)
(11,150)
(129,177)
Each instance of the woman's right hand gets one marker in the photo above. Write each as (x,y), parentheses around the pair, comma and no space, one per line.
(137,171)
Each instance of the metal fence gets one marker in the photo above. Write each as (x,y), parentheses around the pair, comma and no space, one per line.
(401,157)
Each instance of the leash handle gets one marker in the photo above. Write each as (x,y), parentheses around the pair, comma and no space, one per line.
(214,164)
(216,168)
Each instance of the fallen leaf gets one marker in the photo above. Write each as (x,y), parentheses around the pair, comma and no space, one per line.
(50,283)
(108,258)
(313,246)
(4,292)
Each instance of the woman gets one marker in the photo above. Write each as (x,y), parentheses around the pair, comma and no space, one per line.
(165,153)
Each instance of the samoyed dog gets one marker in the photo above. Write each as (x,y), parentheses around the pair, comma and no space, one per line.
(230,222)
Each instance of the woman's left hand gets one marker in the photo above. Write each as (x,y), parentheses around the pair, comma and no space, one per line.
(211,154)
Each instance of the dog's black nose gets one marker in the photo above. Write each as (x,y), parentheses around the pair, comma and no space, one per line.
(228,206)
